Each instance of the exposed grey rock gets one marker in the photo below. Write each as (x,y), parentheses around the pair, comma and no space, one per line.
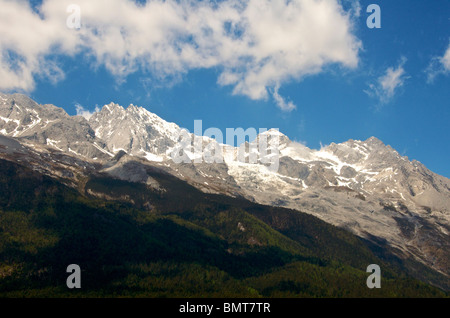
(134,130)
(22,118)
(364,186)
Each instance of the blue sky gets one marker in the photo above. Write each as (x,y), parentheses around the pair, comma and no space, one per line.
(325,80)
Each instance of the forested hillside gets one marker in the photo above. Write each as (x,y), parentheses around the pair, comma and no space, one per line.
(178,242)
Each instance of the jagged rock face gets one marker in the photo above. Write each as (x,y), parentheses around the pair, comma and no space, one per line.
(135,131)
(363,186)
(21,117)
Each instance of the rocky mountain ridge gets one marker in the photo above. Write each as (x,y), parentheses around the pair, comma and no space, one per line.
(364,186)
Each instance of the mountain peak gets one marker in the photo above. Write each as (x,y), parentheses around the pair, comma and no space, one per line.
(274,132)
(139,110)
(112,107)
(133,107)
(283,140)
(374,141)
(19,99)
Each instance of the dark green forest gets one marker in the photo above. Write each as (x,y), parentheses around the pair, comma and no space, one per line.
(179,242)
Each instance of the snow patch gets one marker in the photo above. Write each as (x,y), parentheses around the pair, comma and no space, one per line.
(116,150)
(152,157)
(74,152)
(53,143)
(103,150)
(337,164)
(7,120)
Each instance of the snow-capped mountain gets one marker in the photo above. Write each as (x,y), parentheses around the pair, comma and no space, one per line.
(134,130)
(23,118)
(364,186)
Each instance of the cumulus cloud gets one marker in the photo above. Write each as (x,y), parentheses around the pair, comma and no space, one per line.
(257,45)
(387,85)
(81,111)
(26,42)
(439,65)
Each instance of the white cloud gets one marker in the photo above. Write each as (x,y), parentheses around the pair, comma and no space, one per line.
(26,41)
(353,6)
(387,85)
(257,45)
(446,59)
(81,111)
(393,79)
(281,102)
(439,65)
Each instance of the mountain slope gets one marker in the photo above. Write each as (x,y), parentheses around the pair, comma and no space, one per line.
(135,131)
(397,206)
(208,245)
(22,118)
